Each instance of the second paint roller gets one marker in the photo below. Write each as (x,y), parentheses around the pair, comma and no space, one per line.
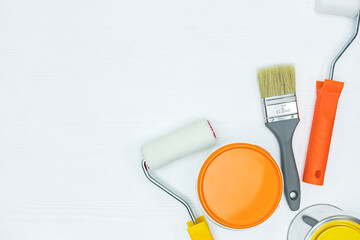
(184,141)
(328,93)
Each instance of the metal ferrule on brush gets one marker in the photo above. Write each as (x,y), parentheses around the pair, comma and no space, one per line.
(280,108)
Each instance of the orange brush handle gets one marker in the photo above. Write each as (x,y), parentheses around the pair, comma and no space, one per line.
(328,93)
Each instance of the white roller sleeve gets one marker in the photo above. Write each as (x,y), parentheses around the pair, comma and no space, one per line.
(191,138)
(338,7)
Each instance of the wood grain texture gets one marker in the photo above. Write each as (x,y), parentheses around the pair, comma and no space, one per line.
(83,84)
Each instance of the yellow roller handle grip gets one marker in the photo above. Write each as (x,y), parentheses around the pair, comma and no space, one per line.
(199,231)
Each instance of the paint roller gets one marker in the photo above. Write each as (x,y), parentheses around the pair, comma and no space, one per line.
(180,143)
(328,93)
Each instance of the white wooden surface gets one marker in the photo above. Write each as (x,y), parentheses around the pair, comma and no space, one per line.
(83,84)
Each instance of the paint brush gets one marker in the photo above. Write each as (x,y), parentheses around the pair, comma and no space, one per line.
(277,88)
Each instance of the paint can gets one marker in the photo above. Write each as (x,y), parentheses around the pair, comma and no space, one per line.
(239,186)
(324,222)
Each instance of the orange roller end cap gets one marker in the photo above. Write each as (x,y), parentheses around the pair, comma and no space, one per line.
(239,185)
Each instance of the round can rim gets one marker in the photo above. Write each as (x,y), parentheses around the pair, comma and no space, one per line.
(259,148)
(330,219)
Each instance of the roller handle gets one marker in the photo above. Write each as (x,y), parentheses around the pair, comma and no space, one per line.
(328,93)
(199,231)
(284,130)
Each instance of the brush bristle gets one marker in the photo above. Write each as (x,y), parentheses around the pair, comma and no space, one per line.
(276,80)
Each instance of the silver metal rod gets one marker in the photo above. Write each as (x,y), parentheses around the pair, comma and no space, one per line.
(171,193)
(353,36)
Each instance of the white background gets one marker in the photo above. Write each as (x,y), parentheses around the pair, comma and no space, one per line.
(83,84)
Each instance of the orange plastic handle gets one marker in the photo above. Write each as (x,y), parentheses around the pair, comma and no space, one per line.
(328,93)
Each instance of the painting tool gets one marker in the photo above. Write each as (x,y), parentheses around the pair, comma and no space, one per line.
(328,93)
(189,139)
(277,89)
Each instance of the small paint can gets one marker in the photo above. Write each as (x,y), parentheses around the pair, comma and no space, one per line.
(324,222)
(239,186)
